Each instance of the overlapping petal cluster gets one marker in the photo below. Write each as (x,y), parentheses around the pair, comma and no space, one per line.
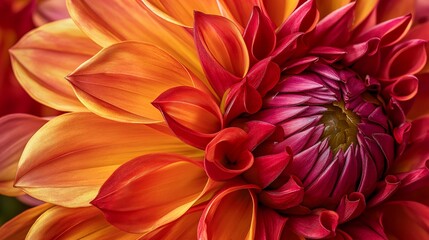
(227,120)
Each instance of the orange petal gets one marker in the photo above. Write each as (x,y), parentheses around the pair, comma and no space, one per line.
(388,9)
(280,10)
(37,66)
(69,158)
(325,7)
(18,227)
(75,223)
(16,130)
(118,21)
(121,81)
(157,189)
(230,215)
(183,228)
(363,9)
(222,51)
(238,11)
(181,12)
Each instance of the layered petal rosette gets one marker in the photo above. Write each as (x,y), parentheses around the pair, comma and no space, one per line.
(230,120)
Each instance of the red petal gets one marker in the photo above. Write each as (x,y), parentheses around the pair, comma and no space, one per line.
(227,155)
(264,76)
(259,36)
(191,114)
(231,214)
(222,51)
(303,19)
(320,224)
(157,190)
(351,206)
(269,224)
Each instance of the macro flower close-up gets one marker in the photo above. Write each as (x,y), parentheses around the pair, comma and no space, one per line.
(223,119)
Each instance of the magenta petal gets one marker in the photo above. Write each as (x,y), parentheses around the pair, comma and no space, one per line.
(269,224)
(356,51)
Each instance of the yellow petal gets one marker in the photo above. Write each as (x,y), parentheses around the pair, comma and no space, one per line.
(121,81)
(76,223)
(42,59)
(18,227)
(279,10)
(69,158)
(181,12)
(117,20)
(16,130)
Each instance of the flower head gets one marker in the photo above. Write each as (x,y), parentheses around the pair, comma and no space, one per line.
(229,119)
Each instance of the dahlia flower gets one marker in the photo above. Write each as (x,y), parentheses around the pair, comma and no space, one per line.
(225,120)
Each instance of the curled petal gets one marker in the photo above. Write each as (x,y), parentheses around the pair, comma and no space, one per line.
(227,155)
(269,224)
(222,51)
(419,109)
(121,81)
(319,224)
(18,227)
(356,51)
(406,58)
(16,130)
(181,12)
(191,114)
(67,223)
(259,36)
(44,80)
(403,89)
(386,189)
(231,214)
(51,167)
(158,189)
(351,206)
(290,194)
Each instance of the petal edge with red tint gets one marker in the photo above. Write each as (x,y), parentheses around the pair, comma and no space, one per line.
(158,189)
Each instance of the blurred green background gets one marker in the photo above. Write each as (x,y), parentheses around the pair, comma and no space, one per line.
(9,208)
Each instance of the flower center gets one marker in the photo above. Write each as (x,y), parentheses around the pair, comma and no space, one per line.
(340,126)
